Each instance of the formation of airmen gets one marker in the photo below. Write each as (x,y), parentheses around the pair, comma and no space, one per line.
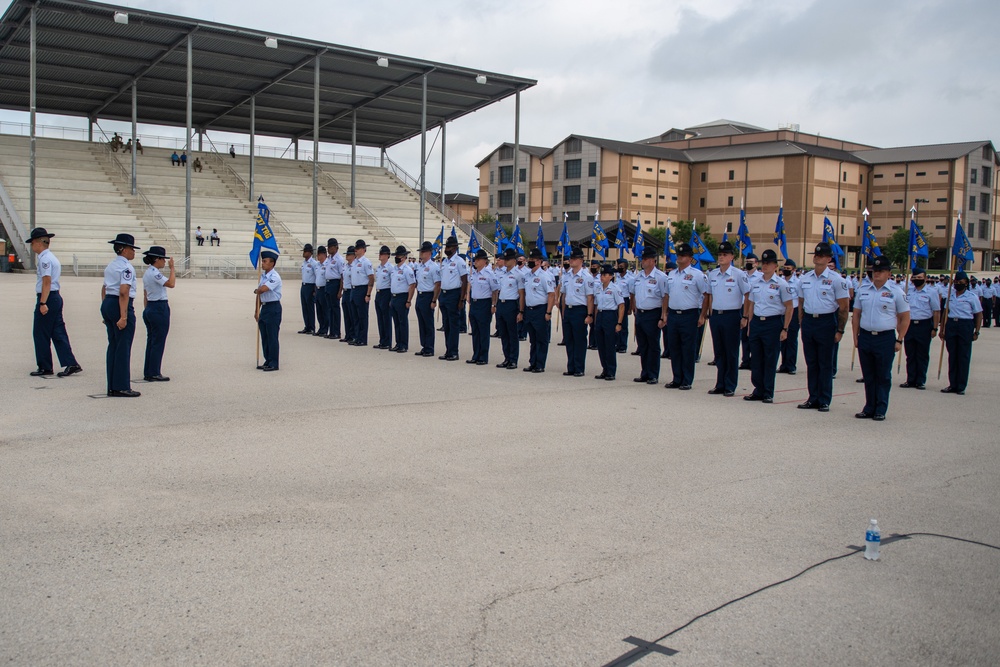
(763,309)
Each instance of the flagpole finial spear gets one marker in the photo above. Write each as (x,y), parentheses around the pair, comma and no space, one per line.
(866,214)
(913,210)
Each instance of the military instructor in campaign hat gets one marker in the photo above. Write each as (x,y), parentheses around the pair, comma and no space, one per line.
(49,329)
(454,283)
(118,312)
(686,311)
(402,285)
(822,316)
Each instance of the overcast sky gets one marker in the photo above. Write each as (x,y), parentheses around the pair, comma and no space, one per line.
(886,72)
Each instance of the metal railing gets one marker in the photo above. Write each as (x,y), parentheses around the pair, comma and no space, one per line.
(361,212)
(17,234)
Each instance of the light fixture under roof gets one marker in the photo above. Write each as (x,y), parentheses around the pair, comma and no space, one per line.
(481,79)
(382,62)
(121,17)
(271,43)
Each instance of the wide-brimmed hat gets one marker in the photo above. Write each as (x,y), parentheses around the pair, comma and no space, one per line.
(401,251)
(426,246)
(156,251)
(39,233)
(125,240)
(452,242)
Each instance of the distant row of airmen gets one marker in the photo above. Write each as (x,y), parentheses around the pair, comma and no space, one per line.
(760,309)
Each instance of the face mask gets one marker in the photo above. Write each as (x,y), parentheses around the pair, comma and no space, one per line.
(399,260)
(565,265)
(786,272)
(520,263)
(621,271)
(531,265)
(450,252)
(961,287)
(748,266)
(917,282)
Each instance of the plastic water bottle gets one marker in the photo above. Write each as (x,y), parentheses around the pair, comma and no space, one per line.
(873,537)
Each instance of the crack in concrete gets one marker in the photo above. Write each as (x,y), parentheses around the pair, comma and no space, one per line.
(948,482)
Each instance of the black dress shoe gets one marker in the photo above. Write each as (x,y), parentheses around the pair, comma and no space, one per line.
(961,393)
(529,369)
(635,354)
(441,329)
(906,385)
(672,385)
(402,350)
(332,337)
(525,338)
(768,400)
(947,390)
(863,415)
(859,381)
(664,356)
(878,418)
(600,377)
(471,361)
(808,405)
(503,365)
(268,369)
(394,348)
(126,393)
(653,381)
(744,367)
(346,340)
(40,372)
(261,367)
(537,370)
(305,331)
(561,344)
(781,370)
(443,357)
(685,387)
(823,407)
(591,347)
(711,363)
(156,378)
(569,373)
(716,391)
(729,394)
(427,353)
(639,379)
(451,357)
(496,335)
(70,370)
(753,397)
(578,375)
(921,387)
(512,366)
(790,372)
(481,363)
(609,378)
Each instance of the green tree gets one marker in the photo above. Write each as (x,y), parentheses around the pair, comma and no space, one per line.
(484,218)
(897,248)
(682,234)
(657,234)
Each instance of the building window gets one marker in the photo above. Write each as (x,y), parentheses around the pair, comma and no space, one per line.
(845,177)
(972,203)
(635,194)
(520,199)
(507,153)
(729,227)
(506,174)
(649,169)
(732,175)
(900,175)
(662,197)
(555,172)
(987,152)
(703,176)
(492,175)
(572,169)
(940,227)
(571,195)
(921,173)
(859,204)
(861,179)
(877,201)
(573,216)
(880,175)
(984,203)
(505,218)
(729,201)
(897,201)
(895,227)
(984,227)
(987,176)
(943,172)
(701,202)
(841,230)
(877,227)
(663,171)
(942,200)
(491,201)
(591,169)
(635,167)
(506,198)
(555,197)
(673,199)
(843,203)
(649,196)
(574,145)
(591,196)
(972,230)
(677,173)
(974,176)
(522,175)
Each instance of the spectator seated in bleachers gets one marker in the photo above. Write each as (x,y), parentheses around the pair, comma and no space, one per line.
(175,159)
(214,239)
(232,151)
(115,143)
(138,146)
(196,166)
(184,159)
(199,236)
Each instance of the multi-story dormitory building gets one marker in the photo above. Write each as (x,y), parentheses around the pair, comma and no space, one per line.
(704,172)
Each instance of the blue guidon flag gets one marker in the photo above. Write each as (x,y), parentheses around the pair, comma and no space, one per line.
(263,237)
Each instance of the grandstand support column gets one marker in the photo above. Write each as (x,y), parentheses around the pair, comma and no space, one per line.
(423,155)
(201,139)
(29,260)
(90,130)
(354,159)
(381,159)
(441,201)
(187,148)
(134,137)
(315,220)
(517,150)
(253,134)
(295,143)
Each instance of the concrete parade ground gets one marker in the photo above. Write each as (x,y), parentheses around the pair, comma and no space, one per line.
(361,507)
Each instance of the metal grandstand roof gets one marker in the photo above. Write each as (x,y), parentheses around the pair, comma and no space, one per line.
(86,62)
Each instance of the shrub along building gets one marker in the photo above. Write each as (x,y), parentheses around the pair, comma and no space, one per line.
(704,172)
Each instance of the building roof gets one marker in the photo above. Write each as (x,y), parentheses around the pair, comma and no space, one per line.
(460,198)
(723,127)
(921,153)
(767,149)
(534,151)
(628,148)
(87,62)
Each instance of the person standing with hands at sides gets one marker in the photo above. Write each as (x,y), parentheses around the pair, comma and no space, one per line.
(383,299)
(483,290)
(770,311)
(539,299)
(269,315)
(49,329)
(334,274)
(117,295)
(822,318)
(403,284)
(880,310)
(960,331)
(925,317)
(322,311)
(428,287)
(650,316)
(156,310)
(790,346)
(753,275)
(510,308)
(307,292)
(363,279)
(686,312)
(576,295)
(347,296)
(454,283)
(729,288)
(626,285)
(610,306)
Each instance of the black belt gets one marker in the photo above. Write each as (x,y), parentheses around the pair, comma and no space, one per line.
(445,291)
(877,333)
(485,298)
(51,291)
(608,310)
(383,289)
(426,292)
(731,310)
(541,305)
(400,293)
(577,306)
(818,315)
(686,310)
(765,318)
(648,310)
(508,300)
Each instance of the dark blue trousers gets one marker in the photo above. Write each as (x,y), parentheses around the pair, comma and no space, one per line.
(347,306)
(917,346)
(666,342)
(480,317)
(448,300)
(682,330)
(958,340)
(621,343)
(575,328)
(765,346)
(725,326)
(987,312)
(463,327)
(817,348)
(360,308)
(745,342)
(383,316)
(507,328)
(119,357)
(539,332)
(269,323)
(332,295)
(425,321)
(790,346)
(607,341)
(308,301)
(647,335)
(49,331)
(322,311)
(400,317)
(156,316)
(876,353)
